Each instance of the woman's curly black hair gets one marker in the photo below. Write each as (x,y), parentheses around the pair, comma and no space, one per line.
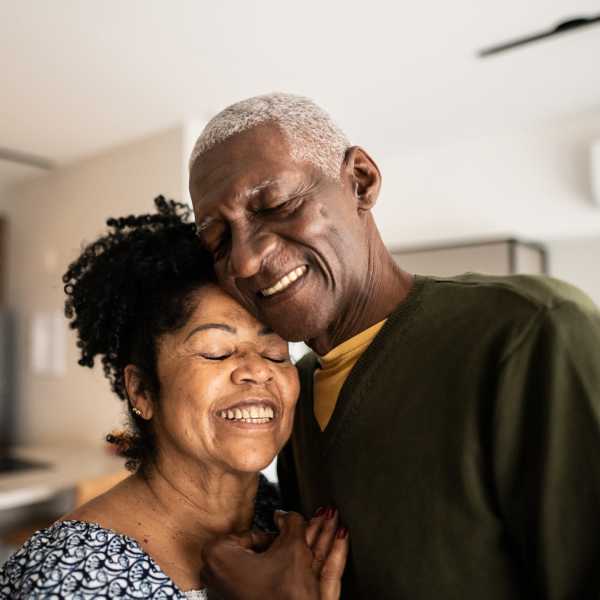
(128,288)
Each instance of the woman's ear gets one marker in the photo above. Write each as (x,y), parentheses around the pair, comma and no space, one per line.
(363,176)
(137,392)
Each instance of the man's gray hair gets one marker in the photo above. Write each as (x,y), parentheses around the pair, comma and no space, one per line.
(310,132)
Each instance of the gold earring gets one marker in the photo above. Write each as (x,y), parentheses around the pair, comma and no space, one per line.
(136,411)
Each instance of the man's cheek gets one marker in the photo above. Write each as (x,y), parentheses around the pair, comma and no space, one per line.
(229,285)
(244,297)
(224,280)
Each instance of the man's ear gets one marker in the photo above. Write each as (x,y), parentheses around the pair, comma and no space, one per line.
(137,392)
(362,174)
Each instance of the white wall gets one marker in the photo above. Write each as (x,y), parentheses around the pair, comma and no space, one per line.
(49,218)
(191,130)
(577,261)
(533,183)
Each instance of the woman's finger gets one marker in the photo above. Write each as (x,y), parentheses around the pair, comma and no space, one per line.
(333,567)
(314,526)
(324,539)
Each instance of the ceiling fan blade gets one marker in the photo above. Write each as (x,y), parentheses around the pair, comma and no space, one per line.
(23,158)
(562,27)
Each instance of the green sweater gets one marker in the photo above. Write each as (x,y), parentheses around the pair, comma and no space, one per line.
(464,450)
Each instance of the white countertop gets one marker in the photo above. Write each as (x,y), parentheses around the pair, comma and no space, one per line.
(66,467)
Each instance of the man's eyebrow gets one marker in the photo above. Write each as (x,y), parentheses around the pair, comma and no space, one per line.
(260,187)
(221,326)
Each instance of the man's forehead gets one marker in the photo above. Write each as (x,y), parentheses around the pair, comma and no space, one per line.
(245,160)
(263,144)
(237,186)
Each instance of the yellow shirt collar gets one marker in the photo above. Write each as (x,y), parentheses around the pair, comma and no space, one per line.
(350,349)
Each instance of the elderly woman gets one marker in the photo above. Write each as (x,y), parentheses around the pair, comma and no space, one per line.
(210,393)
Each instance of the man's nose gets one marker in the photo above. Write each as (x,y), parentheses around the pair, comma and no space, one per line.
(248,250)
(253,368)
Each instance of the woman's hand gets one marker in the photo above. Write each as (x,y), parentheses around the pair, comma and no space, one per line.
(329,545)
(304,562)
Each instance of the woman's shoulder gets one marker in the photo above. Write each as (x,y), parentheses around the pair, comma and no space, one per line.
(78,559)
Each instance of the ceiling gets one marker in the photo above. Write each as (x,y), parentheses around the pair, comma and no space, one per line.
(78,77)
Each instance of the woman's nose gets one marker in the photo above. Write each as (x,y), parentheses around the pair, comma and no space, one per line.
(252,368)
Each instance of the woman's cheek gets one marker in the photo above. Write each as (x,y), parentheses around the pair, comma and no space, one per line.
(294,384)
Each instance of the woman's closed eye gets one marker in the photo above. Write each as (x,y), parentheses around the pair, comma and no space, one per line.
(276,359)
(216,356)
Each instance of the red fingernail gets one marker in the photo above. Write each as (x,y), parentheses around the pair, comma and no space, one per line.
(330,513)
(319,511)
(342,533)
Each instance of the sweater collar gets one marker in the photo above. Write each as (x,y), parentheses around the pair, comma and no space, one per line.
(351,349)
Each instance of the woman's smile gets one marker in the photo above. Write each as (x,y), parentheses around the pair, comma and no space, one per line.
(250,411)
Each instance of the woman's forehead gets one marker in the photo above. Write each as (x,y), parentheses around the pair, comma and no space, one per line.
(213,305)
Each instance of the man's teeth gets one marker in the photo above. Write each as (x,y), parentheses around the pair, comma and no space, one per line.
(285,281)
(251,414)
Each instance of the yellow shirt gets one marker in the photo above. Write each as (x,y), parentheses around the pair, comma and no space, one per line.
(335,367)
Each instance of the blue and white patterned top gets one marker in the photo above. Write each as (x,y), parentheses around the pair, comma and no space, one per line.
(77,560)
(81,561)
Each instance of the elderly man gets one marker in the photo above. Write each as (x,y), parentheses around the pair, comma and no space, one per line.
(454,423)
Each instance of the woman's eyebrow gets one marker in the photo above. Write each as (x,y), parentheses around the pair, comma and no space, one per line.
(221,326)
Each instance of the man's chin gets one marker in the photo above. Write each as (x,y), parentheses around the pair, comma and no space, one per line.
(293,332)
(302,317)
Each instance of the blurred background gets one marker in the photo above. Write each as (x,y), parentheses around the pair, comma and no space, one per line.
(490,163)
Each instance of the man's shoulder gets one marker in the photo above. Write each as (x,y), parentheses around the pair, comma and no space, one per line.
(476,309)
(527,293)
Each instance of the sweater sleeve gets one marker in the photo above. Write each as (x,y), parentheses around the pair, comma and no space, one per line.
(547,452)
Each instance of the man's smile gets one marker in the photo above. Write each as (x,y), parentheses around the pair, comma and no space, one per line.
(285,281)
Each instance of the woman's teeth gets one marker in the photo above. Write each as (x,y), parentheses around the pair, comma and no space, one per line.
(250,414)
(285,281)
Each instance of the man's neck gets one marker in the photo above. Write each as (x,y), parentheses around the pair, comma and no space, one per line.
(385,288)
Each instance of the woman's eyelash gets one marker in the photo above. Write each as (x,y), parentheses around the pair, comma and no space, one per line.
(275,360)
(215,357)
(225,356)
